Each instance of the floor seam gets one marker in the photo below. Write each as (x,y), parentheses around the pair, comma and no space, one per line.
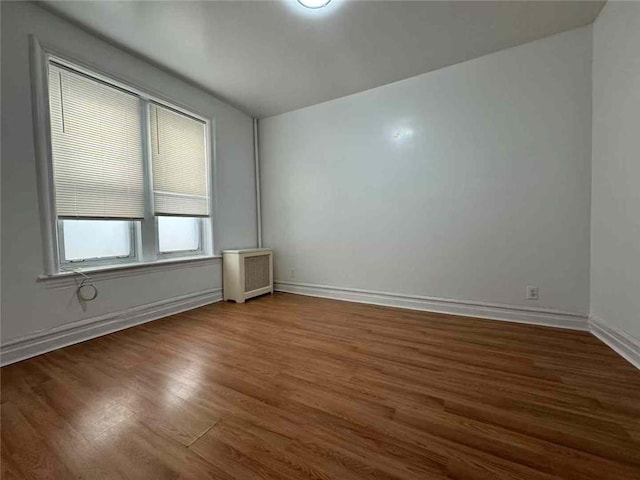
(204,433)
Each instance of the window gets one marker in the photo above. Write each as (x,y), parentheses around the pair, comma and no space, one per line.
(130,174)
(179,234)
(108,241)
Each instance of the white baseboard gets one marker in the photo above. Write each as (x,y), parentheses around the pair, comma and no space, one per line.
(45,341)
(48,340)
(624,344)
(510,313)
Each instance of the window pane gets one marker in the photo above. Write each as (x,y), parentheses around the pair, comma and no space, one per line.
(85,239)
(177,234)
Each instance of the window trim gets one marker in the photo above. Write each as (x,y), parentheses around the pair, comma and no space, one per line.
(70,277)
(147,253)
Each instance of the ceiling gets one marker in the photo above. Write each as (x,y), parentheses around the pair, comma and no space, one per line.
(269,57)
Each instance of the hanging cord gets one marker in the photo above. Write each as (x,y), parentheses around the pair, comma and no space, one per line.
(86,291)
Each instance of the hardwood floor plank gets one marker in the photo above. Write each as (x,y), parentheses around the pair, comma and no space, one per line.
(25,449)
(233,462)
(9,469)
(143,454)
(292,387)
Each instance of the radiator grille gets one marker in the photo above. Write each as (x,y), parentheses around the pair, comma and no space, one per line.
(256,273)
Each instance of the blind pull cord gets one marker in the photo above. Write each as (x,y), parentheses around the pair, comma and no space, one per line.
(86,291)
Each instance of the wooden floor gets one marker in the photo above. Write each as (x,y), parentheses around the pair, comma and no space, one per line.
(297,387)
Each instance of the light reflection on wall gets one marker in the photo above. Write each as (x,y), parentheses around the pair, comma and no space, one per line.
(402,134)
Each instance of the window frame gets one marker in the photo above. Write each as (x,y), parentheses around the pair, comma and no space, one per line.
(144,236)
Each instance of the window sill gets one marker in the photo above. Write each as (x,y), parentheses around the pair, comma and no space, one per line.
(72,278)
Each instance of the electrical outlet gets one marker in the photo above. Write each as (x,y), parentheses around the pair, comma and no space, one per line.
(532,293)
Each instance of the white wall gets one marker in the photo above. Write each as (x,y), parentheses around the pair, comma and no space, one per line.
(29,306)
(467,183)
(615,243)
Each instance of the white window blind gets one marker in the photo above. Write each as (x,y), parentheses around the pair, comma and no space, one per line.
(96,138)
(178,153)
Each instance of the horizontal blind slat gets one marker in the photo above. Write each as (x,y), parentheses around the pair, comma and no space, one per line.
(96,140)
(178,153)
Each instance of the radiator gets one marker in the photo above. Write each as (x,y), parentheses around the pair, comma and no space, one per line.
(247,273)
